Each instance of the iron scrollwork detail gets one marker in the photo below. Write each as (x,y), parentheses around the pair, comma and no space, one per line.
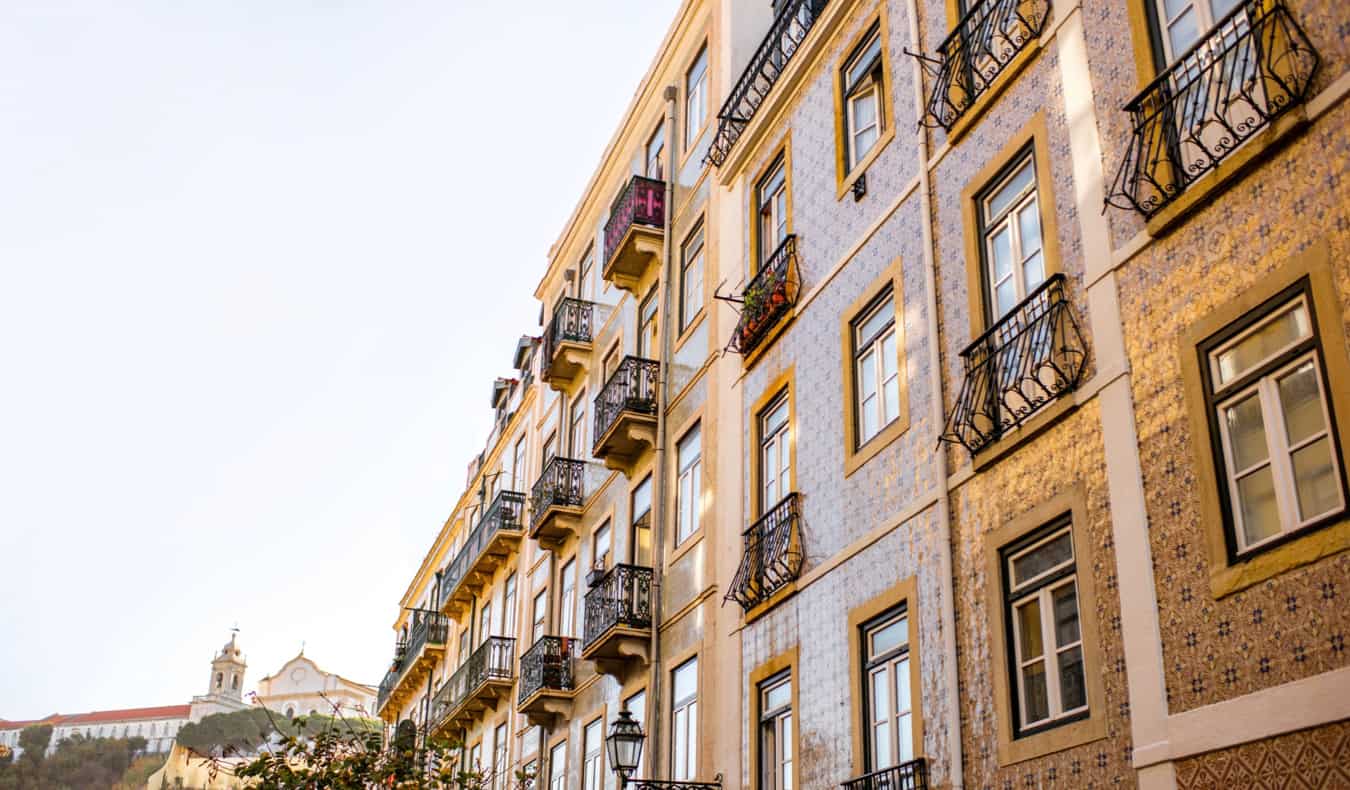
(547,665)
(770,296)
(772,556)
(623,598)
(632,387)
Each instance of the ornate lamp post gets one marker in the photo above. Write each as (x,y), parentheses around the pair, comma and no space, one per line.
(624,747)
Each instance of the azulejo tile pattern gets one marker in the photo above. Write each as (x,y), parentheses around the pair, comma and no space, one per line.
(1294,625)
(1312,759)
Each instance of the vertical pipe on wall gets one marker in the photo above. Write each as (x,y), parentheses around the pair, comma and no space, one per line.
(950,678)
(654,742)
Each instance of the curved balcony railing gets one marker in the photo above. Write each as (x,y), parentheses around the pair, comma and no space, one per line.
(912,775)
(1252,67)
(547,665)
(642,202)
(392,675)
(772,554)
(632,387)
(505,513)
(492,660)
(977,51)
(562,484)
(571,323)
(771,294)
(1031,356)
(623,598)
(793,21)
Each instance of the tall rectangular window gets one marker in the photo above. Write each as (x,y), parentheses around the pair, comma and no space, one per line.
(875,365)
(637,705)
(641,509)
(557,766)
(500,779)
(538,616)
(1040,576)
(691,277)
(695,98)
(509,607)
(550,448)
(862,82)
(567,599)
(577,426)
(656,154)
(689,455)
(593,746)
(775,732)
(586,277)
(890,736)
(775,453)
(476,757)
(518,462)
(485,624)
(684,721)
(771,212)
(1276,450)
(647,340)
(600,547)
(1010,229)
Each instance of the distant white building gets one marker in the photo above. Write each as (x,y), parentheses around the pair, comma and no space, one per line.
(158,726)
(300,687)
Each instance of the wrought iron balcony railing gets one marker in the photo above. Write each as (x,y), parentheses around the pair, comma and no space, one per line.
(623,598)
(427,628)
(562,484)
(547,665)
(571,323)
(771,294)
(505,513)
(642,202)
(632,387)
(1252,67)
(492,660)
(1031,356)
(392,675)
(772,556)
(793,21)
(912,775)
(976,52)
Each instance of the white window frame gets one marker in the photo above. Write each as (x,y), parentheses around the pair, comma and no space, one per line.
(869,353)
(567,598)
(1279,449)
(776,747)
(592,760)
(992,224)
(689,484)
(691,287)
(684,727)
(557,766)
(654,167)
(576,426)
(775,453)
(1043,597)
(696,97)
(866,89)
(771,211)
(891,669)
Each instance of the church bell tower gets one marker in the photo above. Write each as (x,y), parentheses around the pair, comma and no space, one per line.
(227,670)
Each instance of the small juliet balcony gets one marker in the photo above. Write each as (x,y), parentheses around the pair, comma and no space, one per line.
(625,414)
(983,47)
(792,21)
(557,500)
(767,300)
(772,555)
(489,544)
(547,679)
(478,686)
(619,619)
(567,342)
(912,775)
(1254,66)
(635,233)
(1030,357)
(414,658)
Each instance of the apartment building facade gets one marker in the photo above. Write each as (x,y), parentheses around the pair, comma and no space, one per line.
(959,405)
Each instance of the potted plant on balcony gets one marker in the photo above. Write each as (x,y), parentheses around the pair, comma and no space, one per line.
(595,574)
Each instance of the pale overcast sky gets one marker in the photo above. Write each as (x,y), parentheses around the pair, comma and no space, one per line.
(261,261)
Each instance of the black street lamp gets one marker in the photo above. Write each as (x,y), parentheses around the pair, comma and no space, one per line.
(624,746)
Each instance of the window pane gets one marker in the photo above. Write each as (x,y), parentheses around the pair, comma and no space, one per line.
(902,700)
(777,696)
(1005,297)
(905,735)
(1009,192)
(686,680)
(892,394)
(867,371)
(1066,615)
(1029,629)
(1001,250)
(1072,683)
(1256,499)
(1045,557)
(1029,224)
(1301,399)
(1246,432)
(874,323)
(776,418)
(1033,271)
(1318,489)
(881,746)
(888,637)
(881,695)
(1183,32)
(1260,345)
(689,447)
(1035,693)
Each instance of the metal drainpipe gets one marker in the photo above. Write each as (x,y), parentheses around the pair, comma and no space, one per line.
(950,677)
(654,741)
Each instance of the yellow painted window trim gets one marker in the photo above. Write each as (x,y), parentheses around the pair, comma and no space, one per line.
(905,592)
(1301,549)
(690,144)
(1093,727)
(1035,136)
(856,454)
(784,382)
(783,152)
(844,176)
(787,661)
(679,549)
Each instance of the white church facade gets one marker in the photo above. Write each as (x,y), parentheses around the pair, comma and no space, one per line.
(301,688)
